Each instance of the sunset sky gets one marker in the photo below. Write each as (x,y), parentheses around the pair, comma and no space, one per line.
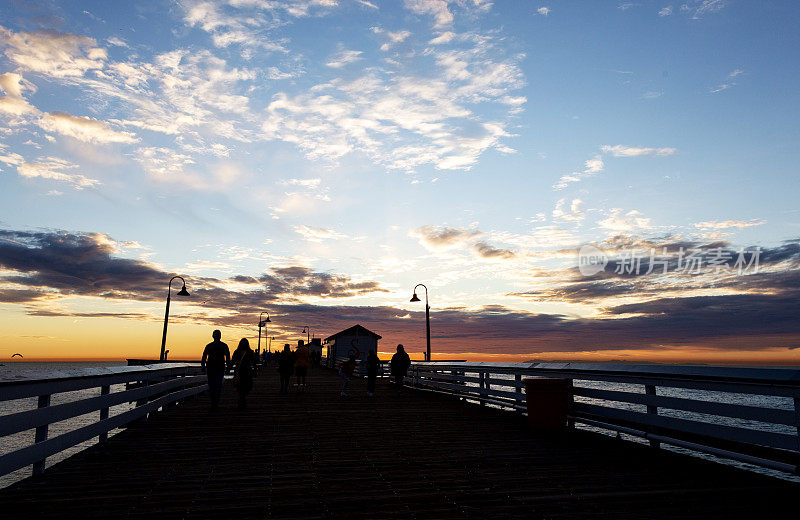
(315,159)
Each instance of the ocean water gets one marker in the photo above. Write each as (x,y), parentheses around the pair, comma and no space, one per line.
(19,440)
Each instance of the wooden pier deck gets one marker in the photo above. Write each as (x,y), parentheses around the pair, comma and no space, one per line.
(415,456)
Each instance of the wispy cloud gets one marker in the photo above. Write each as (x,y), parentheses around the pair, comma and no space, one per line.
(698,8)
(636,151)
(343,57)
(84,129)
(727,224)
(591,167)
(728,83)
(56,169)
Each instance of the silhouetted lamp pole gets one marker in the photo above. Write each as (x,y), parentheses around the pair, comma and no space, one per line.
(262,323)
(415,298)
(182,292)
(307,330)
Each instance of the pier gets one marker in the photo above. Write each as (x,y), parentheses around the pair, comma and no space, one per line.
(422,454)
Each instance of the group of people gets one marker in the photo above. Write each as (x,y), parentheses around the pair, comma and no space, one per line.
(398,366)
(217,361)
(297,362)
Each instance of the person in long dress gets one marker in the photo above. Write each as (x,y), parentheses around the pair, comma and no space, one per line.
(244,361)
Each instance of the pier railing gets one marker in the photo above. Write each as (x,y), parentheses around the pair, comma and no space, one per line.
(746,414)
(147,388)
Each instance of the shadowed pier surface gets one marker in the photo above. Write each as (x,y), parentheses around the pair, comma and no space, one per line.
(317,455)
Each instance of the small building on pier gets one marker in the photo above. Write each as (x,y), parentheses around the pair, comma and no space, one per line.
(355,340)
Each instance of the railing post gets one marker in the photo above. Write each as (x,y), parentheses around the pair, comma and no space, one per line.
(797,419)
(518,386)
(482,377)
(143,401)
(651,390)
(104,390)
(41,436)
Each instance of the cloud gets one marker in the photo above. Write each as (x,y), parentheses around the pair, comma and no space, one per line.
(620,222)
(444,237)
(55,169)
(404,121)
(573,214)
(728,82)
(344,57)
(485,250)
(727,224)
(591,167)
(697,8)
(445,37)
(42,267)
(395,38)
(14,103)
(55,54)
(436,8)
(665,11)
(544,11)
(313,234)
(634,151)
(86,264)
(84,129)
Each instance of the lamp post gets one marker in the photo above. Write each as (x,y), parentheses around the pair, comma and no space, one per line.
(307,330)
(262,323)
(269,343)
(182,292)
(415,298)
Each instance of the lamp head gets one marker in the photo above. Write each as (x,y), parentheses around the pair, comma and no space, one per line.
(304,331)
(415,298)
(267,320)
(183,291)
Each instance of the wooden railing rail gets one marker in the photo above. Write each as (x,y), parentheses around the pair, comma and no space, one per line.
(151,387)
(694,413)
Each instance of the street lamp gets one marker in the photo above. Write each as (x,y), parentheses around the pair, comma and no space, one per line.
(262,323)
(415,298)
(307,330)
(182,292)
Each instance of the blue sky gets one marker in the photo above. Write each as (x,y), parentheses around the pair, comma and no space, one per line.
(470,145)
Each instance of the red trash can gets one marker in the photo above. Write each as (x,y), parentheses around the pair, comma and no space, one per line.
(548,400)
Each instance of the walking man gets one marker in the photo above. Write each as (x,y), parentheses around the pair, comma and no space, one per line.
(399,365)
(216,360)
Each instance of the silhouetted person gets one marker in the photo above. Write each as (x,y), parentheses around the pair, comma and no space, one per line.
(216,358)
(346,372)
(244,361)
(372,371)
(302,358)
(285,367)
(400,364)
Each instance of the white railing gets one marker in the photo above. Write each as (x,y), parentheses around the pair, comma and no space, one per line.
(151,387)
(746,414)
